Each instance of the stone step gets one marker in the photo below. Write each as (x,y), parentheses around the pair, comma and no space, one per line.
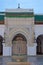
(18,63)
(16,57)
(19,58)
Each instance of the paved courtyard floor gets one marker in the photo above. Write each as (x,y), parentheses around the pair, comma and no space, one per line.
(38,60)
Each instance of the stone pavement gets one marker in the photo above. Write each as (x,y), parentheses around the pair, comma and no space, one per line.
(34,60)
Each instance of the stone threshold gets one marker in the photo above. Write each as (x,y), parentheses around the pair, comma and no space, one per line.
(18,63)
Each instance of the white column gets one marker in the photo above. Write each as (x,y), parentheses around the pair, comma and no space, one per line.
(31,50)
(6,50)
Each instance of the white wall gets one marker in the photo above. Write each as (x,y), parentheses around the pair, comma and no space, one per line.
(2,29)
(38,30)
(31,50)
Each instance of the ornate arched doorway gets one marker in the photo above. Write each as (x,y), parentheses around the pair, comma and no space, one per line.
(19,45)
(39,41)
(1,46)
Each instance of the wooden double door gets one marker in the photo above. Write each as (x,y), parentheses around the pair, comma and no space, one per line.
(19,46)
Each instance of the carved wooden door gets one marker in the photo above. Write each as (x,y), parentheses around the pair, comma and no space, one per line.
(19,46)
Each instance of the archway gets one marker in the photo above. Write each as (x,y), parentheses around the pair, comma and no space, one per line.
(39,41)
(1,46)
(19,45)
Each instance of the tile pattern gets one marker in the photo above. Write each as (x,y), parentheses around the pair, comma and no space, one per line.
(34,60)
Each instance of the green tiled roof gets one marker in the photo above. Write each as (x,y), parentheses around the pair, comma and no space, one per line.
(38,17)
(1,17)
(19,14)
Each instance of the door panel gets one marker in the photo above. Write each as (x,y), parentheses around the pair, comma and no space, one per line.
(19,47)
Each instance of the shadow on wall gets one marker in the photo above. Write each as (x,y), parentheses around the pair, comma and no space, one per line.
(1,46)
(39,41)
